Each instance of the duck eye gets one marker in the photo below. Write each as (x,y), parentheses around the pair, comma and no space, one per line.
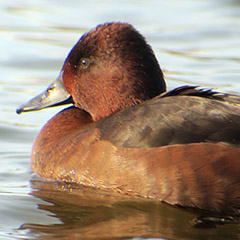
(84,63)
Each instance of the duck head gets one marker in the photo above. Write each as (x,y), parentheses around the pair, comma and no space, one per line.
(110,68)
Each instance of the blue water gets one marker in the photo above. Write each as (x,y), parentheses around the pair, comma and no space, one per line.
(196,42)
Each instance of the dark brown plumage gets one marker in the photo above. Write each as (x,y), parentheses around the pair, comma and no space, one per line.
(126,134)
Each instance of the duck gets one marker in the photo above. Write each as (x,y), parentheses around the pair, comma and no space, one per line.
(124,132)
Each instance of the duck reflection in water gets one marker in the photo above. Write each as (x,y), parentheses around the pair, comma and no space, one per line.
(90,213)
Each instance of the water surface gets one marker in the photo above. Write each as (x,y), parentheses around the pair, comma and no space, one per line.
(196,42)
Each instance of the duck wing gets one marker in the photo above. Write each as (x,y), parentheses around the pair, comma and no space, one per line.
(184,115)
(201,92)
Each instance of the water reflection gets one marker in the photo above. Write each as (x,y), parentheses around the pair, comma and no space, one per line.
(88,213)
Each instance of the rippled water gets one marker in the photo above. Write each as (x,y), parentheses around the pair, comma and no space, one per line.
(196,42)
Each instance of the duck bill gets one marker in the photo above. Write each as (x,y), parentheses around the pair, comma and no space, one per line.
(54,95)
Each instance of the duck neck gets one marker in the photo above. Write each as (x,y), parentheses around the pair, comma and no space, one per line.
(112,94)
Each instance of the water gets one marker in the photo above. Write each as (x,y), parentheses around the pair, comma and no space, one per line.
(196,42)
